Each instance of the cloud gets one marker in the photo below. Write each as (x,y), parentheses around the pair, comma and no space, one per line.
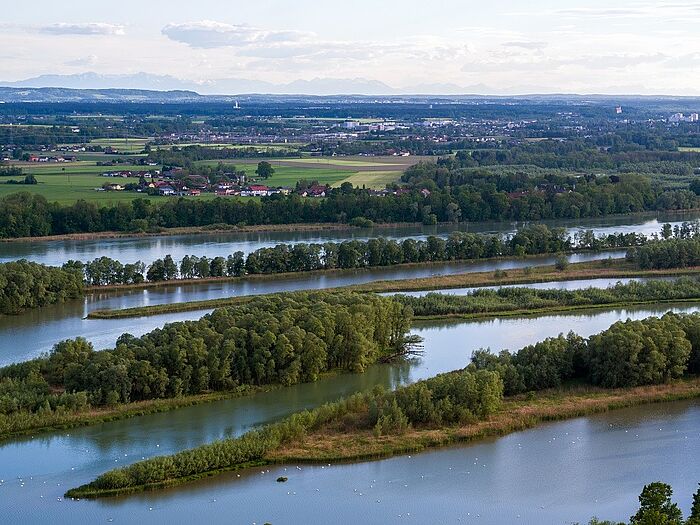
(90,28)
(590,62)
(534,46)
(89,60)
(210,34)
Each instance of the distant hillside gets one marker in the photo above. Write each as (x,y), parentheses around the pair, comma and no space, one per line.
(52,94)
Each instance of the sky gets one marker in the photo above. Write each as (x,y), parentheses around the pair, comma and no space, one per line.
(496,47)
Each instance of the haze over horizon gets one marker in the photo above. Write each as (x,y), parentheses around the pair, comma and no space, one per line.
(394,48)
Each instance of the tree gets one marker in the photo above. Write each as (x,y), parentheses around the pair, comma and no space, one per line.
(656,507)
(694,518)
(265,170)
(561,263)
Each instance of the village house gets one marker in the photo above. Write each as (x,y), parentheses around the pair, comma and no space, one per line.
(314,191)
(255,190)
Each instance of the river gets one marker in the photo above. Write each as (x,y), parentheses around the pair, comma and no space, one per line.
(147,249)
(27,335)
(556,473)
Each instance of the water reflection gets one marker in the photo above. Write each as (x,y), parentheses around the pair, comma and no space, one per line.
(147,249)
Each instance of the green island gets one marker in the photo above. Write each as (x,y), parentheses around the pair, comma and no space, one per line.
(630,363)
(270,340)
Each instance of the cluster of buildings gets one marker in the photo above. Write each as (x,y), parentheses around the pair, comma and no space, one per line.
(125,174)
(51,158)
(680,117)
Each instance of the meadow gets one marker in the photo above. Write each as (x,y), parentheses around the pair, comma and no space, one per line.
(67,182)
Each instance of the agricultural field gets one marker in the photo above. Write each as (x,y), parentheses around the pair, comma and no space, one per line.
(69,181)
(130,145)
(372,172)
(375,180)
(67,188)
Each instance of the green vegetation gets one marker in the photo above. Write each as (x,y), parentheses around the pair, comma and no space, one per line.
(480,303)
(669,253)
(434,192)
(25,285)
(69,182)
(282,339)
(460,405)
(302,257)
(457,397)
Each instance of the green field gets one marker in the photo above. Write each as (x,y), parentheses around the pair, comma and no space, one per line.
(376,180)
(65,188)
(332,161)
(130,145)
(70,181)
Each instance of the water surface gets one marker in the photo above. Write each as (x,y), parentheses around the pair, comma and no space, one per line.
(147,249)
(595,465)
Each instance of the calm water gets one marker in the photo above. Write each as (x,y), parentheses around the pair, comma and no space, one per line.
(25,336)
(554,474)
(147,249)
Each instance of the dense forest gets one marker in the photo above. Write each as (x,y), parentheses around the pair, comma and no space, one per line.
(282,339)
(453,194)
(669,253)
(25,285)
(651,351)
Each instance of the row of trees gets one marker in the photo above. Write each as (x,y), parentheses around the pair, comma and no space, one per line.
(281,339)
(523,299)
(631,353)
(25,285)
(303,257)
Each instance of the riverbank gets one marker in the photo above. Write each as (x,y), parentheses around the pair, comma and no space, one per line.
(541,274)
(210,229)
(668,215)
(36,424)
(337,441)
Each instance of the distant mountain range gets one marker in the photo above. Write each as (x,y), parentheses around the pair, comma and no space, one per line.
(232,86)
(144,87)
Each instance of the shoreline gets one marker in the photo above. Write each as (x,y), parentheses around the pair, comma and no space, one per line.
(516,414)
(293,227)
(541,274)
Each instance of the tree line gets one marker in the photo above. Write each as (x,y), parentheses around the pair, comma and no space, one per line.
(449,398)
(281,339)
(669,253)
(627,354)
(304,257)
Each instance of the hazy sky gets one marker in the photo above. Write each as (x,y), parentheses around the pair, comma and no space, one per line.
(517,46)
